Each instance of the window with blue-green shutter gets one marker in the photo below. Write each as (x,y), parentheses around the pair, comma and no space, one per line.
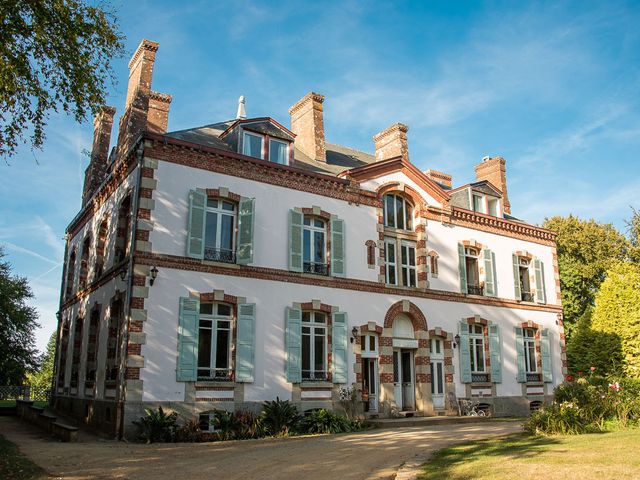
(464,352)
(187,364)
(339,347)
(293,344)
(295,241)
(245,343)
(246,208)
(338,264)
(521,376)
(489,258)
(539,273)
(545,354)
(495,354)
(196,225)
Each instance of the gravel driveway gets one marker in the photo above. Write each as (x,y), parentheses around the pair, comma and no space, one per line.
(374,454)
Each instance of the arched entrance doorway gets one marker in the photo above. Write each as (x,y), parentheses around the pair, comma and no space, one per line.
(404,359)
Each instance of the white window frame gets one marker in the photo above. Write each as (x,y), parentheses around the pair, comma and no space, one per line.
(245,143)
(483,202)
(474,253)
(497,202)
(210,425)
(474,346)
(314,374)
(390,245)
(219,211)
(214,317)
(529,340)
(367,352)
(405,205)
(412,270)
(287,147)
(312,229)
(436,354)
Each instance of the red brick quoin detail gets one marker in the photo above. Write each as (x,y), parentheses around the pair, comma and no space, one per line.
(414,313)
(215,193)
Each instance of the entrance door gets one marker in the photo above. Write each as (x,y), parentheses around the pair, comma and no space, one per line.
(371,382)
(437,373)
(404,387)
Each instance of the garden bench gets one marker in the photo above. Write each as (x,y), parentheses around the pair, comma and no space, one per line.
(66,433)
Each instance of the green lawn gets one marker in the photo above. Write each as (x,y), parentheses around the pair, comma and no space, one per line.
(612,455)
(15,466)
(12,403)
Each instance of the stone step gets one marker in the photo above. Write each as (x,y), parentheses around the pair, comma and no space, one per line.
(423,421)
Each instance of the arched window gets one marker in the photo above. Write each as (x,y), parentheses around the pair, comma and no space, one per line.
(84,263)
(398,212)
(71,269)
(100,248)
(124,228)
(92,347)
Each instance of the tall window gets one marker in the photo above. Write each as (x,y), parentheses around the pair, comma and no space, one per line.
(100,248)
(525,284)
(77,346)
(252,145)
(437,366)
(531,364)
(84,264)
(92,348)
(124,228)
(314,245)
(314,346)
(408,258)
(71,270)
(64,347)
(116,314)
(398,212)
(473,276)
(476,348)
(278,152)
(219,236)
(214,341)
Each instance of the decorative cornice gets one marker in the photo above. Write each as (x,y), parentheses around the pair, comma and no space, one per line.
(147,45)
(309,97)
(393,129)
(161,97)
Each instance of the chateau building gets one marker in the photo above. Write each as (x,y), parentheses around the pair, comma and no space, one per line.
(221,266)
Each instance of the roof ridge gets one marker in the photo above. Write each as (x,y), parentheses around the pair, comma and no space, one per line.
(350,148)
(196,128)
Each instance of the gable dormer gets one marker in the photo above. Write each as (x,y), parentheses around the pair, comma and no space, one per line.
(480,197)
(261,138)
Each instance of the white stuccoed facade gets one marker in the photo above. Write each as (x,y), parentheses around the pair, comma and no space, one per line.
(147,354)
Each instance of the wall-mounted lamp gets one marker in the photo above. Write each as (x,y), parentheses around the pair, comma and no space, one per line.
(123,274)
(354,334)
(154,275)
(58,315)
(456,341)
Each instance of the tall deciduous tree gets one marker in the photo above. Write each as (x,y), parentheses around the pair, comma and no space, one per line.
(17,324)
(43,377)
(53,54)
(586,249)
(617,311)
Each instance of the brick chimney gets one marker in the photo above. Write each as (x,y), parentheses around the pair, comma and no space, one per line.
(308,124)
(96,171)
(136,110)
(439,177)
(493,169)
(158,115)
(392,142)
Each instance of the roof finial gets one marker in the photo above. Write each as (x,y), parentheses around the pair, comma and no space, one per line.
(242,114)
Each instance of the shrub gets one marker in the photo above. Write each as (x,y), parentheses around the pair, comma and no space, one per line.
(189,432)
(564,418)
(157,426)
(279,417)
(248,425)
(226,424)
(326,421)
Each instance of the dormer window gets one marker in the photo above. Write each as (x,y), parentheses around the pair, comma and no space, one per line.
(478,204)
(486,204)
(252,145)
(494,208)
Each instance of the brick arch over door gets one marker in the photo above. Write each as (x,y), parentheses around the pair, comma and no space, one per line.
(408,308)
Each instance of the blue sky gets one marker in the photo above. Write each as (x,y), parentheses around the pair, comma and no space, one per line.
(552,87)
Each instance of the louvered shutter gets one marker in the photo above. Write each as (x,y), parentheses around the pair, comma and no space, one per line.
(540,294)
(293,344)
(338,263)
(495,354)
(489,273)
(245,348)
(520,360)
(195,233)
(545,353)
(462,268)
(245,231)
(516,277)
(187,366)
(339,347)
(465,354)
(295,241)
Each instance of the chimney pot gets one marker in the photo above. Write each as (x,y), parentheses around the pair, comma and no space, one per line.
(307,122)
(97,169)
(158,115)
(493,170)
(242,113)
(392,142)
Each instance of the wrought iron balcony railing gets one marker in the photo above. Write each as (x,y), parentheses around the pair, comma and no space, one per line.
(475,289)
(219,255)
(316,268)
(526,296)
(533,377)
(316,376)
(214,374)
(480,377)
